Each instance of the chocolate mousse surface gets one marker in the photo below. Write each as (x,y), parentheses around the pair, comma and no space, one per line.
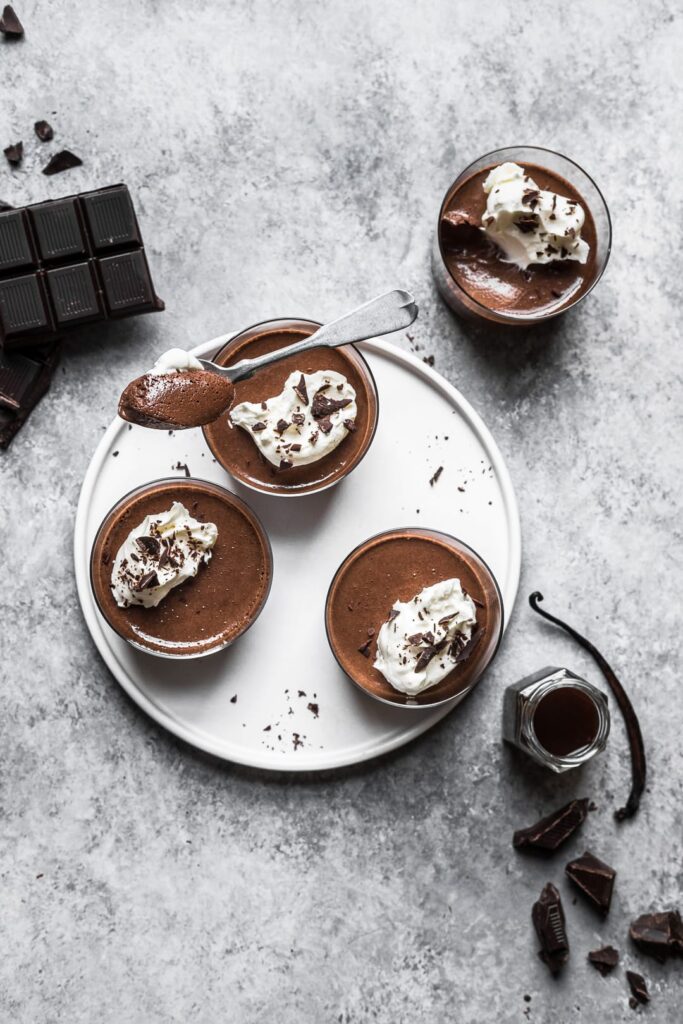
(234,447)
(177,400)
(396,566)
(477,264)
(204,613)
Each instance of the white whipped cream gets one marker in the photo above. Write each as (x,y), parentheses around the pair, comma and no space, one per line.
(294,428)
(441,617)
(175,361)
(529,225)
(172,548)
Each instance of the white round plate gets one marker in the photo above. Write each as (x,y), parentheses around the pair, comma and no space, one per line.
(250,703)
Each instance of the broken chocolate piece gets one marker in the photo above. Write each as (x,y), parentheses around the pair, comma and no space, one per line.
(150,579)
(659,935)
(322,407)
(593,878)
(605,959)
(301,391)
(14,153)
(43,130)
(635,736)
(62,161)
(281,426)
(298,419)
(457,229)
(325,425)
(350,426)
(150,545)
(638,987)
(258,426)
(551,832)
(547,915)
(364,649)
(10,24)
(20,396)
(436,476)
(285,464)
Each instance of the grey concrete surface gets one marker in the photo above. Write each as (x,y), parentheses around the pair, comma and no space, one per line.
(289,157)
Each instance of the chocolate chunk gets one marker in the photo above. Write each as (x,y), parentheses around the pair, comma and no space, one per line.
(426,656)
(364,649)
(594,879)
(531,197)
(285,464)
(62,161)
(436,476)
(470,645)
(526,224)
(393,614)
(281,426)
(429,360)
(350,426)
(547,915)
(10,24)
(415,639)
(258,426)
(458,230)
(325,425)
(554,829)
(605,959)
(150,579)
(150,545)
(298,419)
(294,448)
(322,407)
(43,130)
(301,390)
(314,709)
(659,935)
(638,987)
(14,153)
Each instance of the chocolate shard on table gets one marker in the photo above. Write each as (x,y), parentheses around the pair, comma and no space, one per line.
(547,915)
(638,986)
(605,959)
(43,130)
(24,379)
(594,879)
(556,828)
(14,153)
(659,935)
(71,261)
(10,24)
(62,161)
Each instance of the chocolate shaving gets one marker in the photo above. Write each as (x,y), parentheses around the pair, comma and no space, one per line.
(531,197)
(364,649)
(436,476)
(183,466)
(258,426)
(62,161)
(301,390)
(322,407)
(314,709)
(426,656)
(470,645)
(659,934)
(150,579)
(14,153)
(594,879)
(325,425)
(10,24)
(554,829)
(547,915)
(638,988)
(150,545)
(605,959)
(635,737)
(43,130)
(393,614)
(281,426)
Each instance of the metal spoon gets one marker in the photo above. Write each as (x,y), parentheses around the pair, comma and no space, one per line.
(389,312)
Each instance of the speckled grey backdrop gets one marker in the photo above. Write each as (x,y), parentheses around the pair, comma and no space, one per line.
(144,883)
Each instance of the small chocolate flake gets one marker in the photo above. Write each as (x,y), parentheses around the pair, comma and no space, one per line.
(62,161)
(605,959)
(298,419)
(43,130)
(295,448)
(531,197)
(415,639)
(301,390)
(14,153)
(547,915)
(281,426)
(350,426)
(183,466)
(150,579)
(552,831)
(429,360)
(393,614)
(638,987)
(436,476)
(10,24)
(114,454)
(149,545)
(322,407)
(285,464)
(325,425)
(313,708)
(258,426)
(364,649)
(268,728)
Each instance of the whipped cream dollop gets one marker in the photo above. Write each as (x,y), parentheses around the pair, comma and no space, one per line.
(175,361)
(528,224)
(422,640)
(310,417)
(165,550)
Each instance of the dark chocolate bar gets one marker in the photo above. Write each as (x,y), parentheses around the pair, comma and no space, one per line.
(71,261)
(24,379)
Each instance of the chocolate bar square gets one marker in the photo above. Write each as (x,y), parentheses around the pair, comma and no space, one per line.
(126,283)
(74,296)
(23,382)
(23,310)
(111,219)
(18,375)
(15,245)
(58,229)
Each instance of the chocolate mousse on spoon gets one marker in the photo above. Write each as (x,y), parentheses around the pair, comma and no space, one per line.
(182,392)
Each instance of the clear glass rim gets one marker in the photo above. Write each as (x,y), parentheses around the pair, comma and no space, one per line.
(324,485)
(525,318)
(184,483)
(422,531)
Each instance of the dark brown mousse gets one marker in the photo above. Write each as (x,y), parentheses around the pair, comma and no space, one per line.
(176,401)
(204,613)
(565,721)
(478,266)
(547,915)
(235,449)
(551,832)
(594,879)
(396,566)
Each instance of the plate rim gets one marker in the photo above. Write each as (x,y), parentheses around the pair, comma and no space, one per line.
(195,738)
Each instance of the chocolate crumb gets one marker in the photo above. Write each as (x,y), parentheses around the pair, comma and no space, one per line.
(429,360)
(436,476)
(258,426)
(313,708)
(281,426)
(114,454)
(183,466)
(43,130)
(268,728)
(150,579)
(364,649)
(10,24)
(301,390)
(322,407)
(350,426)
(62,161)
(325,425)
(233,699)
(14,153)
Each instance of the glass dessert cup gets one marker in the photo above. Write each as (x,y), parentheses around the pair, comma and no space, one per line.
(397,564)
(463,299)
(234,448)
(202,615)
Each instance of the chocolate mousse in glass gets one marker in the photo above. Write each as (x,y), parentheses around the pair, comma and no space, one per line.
(204,613)
(521,251)
(292,411)
(390,599)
